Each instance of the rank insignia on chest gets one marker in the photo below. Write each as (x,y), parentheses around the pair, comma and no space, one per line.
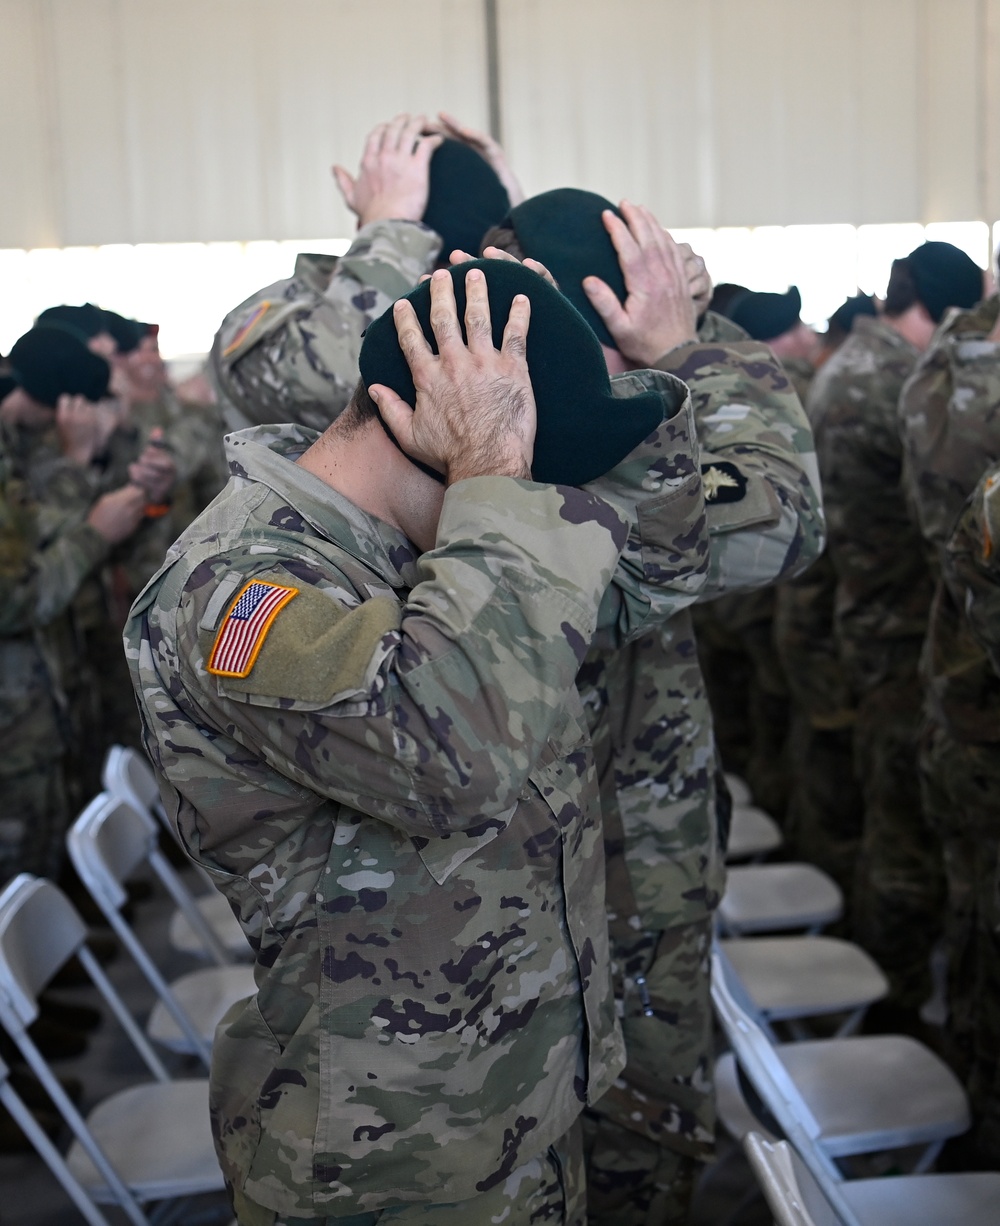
(245,627)
(722,482)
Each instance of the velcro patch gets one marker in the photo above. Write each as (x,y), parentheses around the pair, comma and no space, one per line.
(245,627)
(246,329)
(723,482)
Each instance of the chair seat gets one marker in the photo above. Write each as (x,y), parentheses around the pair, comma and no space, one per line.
(968,1199)
(793,977)
(158,1138)
(875,1092)
(775,897)
(752,833)
(219,916)
(739,789)
(205,996)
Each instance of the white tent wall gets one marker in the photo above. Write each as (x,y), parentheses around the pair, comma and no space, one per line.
(149,121)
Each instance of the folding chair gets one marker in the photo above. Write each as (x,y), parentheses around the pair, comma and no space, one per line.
(752,834)
(789,979)
(800,1194)
(203,925)
(778,898)
(107,843)
(148,1143)
(739,789)
(858,1095)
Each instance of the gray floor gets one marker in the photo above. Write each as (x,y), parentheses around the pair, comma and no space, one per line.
(30,1196)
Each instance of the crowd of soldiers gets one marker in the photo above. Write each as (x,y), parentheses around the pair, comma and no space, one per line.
(854,687)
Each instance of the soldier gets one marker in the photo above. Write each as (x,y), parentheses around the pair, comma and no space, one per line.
(776,320)
(290,352)
(950,423)
(969,774)
(882,599)
(645,701)
(356,674)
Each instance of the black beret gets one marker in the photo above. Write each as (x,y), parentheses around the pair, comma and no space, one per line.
(583,430)
(725,296)
(465,197)
(844,316)
(84,321)
(765,316)
(944,276)
(563,230)
(126,332)
(51,362)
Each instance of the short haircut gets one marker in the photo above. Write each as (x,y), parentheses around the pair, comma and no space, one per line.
(504,238)
(359,412)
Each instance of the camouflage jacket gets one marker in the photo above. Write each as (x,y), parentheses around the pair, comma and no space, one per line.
(645,700)
(399,802)
(884,587)
(290,351)
(950,424)
(45,556)
(970,596)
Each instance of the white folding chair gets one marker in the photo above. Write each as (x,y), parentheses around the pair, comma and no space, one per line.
(203,925)
(789,979)
(739,789)
(51,1156)
(778,898)
(107,843)
(859,1095)
(148,1143)
(752,834)
(801,1194)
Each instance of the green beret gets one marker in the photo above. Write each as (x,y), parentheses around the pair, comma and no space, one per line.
(563,230)
(765,316)
(944,276)
(465,197)
(84,321)
(51,362)
(583,430)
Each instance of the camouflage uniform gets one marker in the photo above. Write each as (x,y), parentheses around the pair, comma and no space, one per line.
(882,600)
(971,576)
(950,422)
(290,351)
(45,556)
(399,802)
(652,731)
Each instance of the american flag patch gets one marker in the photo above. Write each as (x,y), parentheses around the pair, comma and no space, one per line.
(242,633)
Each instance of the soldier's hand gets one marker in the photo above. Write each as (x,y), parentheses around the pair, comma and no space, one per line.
(393,181)
(475,410)
(495,253)
(485,146)
(699,280)
(117,515)
(658,313)
(77,428)
(155,470)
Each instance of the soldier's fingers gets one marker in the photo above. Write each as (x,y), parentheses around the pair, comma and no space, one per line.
(543,272)
(412,131)
(478,326)
(424,147)
(460,257)
(395,412)
(345,184)
(397,133)
(515,332)
(605,302)
(622,240)
(444,313)
(373,145)
(410,334)
(647,231)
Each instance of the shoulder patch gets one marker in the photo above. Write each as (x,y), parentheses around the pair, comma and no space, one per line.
(991,516)
(245,333)
(723,482)
(245,627)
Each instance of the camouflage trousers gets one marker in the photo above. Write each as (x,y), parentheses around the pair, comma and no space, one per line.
(34,818)
(961,784)
(646,1140)
(548,1189)
(900,884)
(824,820)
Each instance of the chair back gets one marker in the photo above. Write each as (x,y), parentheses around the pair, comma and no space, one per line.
(40,930)
(127,774)
(795,1194)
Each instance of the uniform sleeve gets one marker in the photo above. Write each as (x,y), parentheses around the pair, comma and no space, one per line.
(949,416)
(430,713)
(291,353)
(758,465)
(972,564)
